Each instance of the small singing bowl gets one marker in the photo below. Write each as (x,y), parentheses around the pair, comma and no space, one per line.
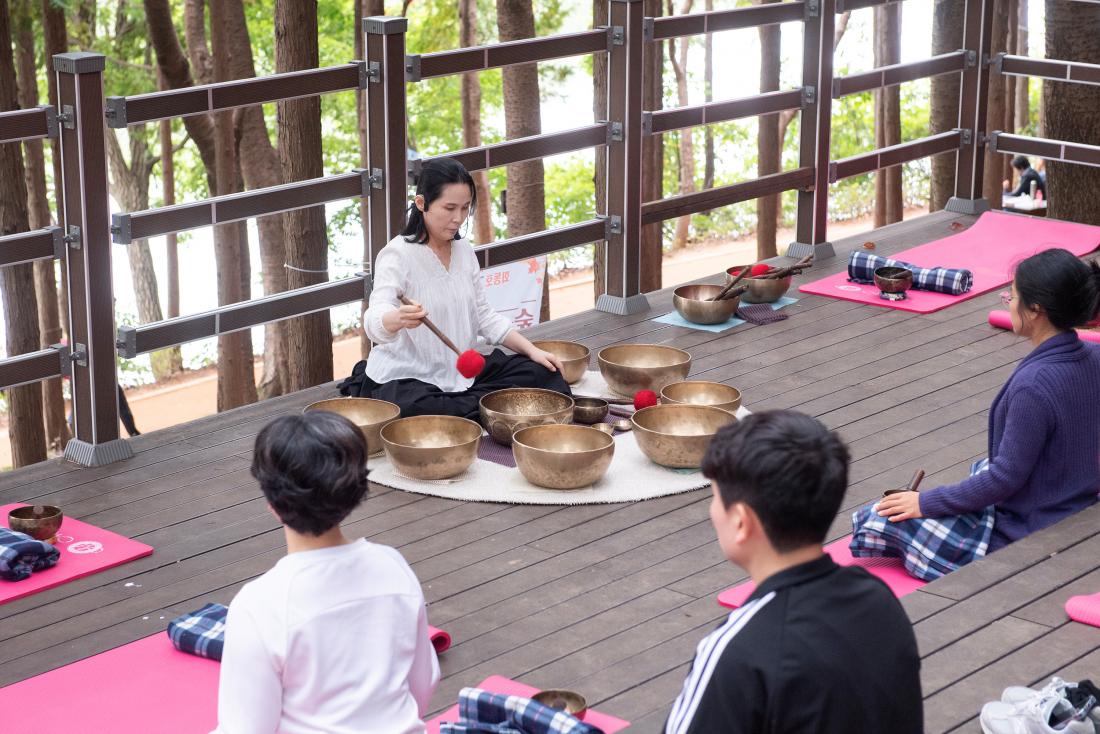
(677,436)
(368,414)
(694,304)
(589,410)
(760,290)
(628,368)
(431,446)
(701,392)
(503,412)
(562,457)
(41,522)
(568,701)
(573,356)
(890,279)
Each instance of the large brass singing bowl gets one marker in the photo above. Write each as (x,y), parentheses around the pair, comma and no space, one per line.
(573,356)
(41,522)
(629,368)
(678,435)
(760,290)
(700,392)
(431,446)
(562,457)
(367,413)
(694,304)
(504,412)
(891,279)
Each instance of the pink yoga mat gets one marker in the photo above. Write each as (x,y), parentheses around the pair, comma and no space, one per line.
(890,570)
(1084,609)
(440,639)
(498,684)
(85,549)
(989,249)
(1002,320)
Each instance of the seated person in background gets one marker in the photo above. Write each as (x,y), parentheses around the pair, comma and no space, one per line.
(334,638)
(1044,424)
(817,647)
(432,264)
(1027,176)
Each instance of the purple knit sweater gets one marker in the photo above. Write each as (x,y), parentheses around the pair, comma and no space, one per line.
(1044,444)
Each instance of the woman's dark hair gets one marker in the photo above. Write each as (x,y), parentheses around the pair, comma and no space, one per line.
(1067,289)
(434,175)
(312,468)
(788,467)
(1021,163)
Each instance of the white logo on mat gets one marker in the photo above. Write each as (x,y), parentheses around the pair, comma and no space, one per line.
(855,288)
(82,547)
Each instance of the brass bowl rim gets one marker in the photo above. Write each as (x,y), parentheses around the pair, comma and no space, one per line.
(688,406)
(482,406)
(686,356)
(315,406)
(563,693)
(717,289)
(700,382)
(587,350)
(569,426)
(19,512)
(420,418)
(590,403)
(896,273)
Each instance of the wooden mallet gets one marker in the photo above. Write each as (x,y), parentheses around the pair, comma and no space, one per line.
(469,363)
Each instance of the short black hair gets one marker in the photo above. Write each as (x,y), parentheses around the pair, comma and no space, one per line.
(1021,163)
(1067,289)
(312,468)
(788,467)
(434,175)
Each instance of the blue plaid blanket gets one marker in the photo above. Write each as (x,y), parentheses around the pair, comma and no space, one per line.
(928,547)
(200,633)
(21,555)
(953,281)
(482,711)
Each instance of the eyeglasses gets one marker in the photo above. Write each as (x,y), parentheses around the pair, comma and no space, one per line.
(1006,298)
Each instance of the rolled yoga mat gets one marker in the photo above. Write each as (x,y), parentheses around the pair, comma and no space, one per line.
(1002,320)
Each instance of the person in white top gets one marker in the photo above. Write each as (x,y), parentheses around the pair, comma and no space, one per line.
(334,638)
(435,267)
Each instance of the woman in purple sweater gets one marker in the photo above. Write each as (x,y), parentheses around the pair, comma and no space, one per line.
(1044,425)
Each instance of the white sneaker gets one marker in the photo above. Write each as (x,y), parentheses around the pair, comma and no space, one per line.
(1019,694)
(1033,716)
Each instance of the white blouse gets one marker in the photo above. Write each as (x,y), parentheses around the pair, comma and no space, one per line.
(455,301)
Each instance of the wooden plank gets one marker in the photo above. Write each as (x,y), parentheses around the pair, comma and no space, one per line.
(976,651)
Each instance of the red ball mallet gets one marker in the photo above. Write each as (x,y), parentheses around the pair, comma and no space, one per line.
(469,364)
(644,399)
(759,269)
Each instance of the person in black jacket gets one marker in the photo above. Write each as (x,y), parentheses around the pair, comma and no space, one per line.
(1027,176)
(817,647)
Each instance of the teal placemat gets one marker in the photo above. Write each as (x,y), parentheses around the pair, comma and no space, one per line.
(674,319)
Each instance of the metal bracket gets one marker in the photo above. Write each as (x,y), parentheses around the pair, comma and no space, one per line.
(615,132)
(412,68)
(63,356)
(120,229)
(126,343)
(833,172)
(412,170)
(618,36)
(115,110)
(72,239)
(985,61)
(364,73)
(966,135)
(613,225)
(368,282)
(813,8)
(993,136)
(52,128)
(809,95)
(79,355)
(998,63)
(647,123)
(58,242)
(374,72)
(982,138)
(971,59)
(67,117)
(375,179)
(648,29)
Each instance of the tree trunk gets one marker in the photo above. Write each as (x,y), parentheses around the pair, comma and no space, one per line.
(1023,99)
(471,122)
(1069,110)
(523,117)
(38,210)
(194,31)
(25,419)
(947,36)
(600,19)
(708,96)
(888,190)
(995,114)
(653,156)
(1008,122)
(687,147)
(309,338)
(768,142)
(57,42)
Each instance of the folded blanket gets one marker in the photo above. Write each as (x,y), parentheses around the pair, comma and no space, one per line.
(21,555)
(200,633)
(953,281)
(482,711)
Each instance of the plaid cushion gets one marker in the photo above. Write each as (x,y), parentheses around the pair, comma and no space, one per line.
(21,555)
(953,281)
(200,633)
(482,711)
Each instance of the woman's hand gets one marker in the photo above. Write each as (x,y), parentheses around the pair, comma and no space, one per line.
(900,506)
(545,358)
(404,317)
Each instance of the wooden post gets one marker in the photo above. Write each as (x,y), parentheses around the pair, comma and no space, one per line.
(816,128)
(623,273)
(970,160)
(87,228)
(386,140)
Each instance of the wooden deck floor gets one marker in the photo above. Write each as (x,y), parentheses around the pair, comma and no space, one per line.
(608,599)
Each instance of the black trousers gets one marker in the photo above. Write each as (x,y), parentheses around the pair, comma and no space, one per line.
(415,397)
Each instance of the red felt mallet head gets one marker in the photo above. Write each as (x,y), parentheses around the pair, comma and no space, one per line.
(470,363)
(759,269)
(644,399)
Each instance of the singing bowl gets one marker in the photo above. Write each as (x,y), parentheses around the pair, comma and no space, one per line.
(678,435)
(41,522)
(573,356)
(890,279)
(504,412)
(760,290)
(568,701)
(431,446)
(589,410)
(368,414)
(700,392)
(562,457)
(628,368)
(694,304)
